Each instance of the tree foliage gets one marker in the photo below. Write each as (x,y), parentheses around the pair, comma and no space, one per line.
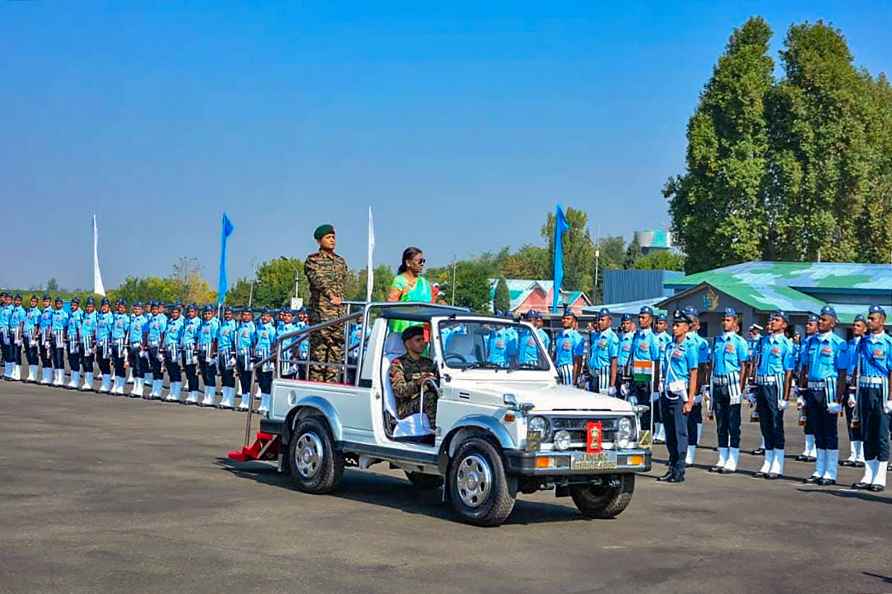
(660,260)
(502,300)
(578,248)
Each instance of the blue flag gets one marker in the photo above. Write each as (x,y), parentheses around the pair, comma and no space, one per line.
(560,227)
(228,228)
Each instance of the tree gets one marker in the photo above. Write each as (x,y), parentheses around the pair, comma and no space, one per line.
(239,293)
(502,300)
(715,206)
(660,260)
(52,285)
(275,282)
(632,255)
(823,163)
(150,288)
(530,261)
(190,285)
(578,248)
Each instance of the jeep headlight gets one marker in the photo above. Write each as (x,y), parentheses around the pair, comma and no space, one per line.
(539,425)
(562,440)
(624,432)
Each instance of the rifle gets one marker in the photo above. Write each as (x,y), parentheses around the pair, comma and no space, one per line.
(856,416)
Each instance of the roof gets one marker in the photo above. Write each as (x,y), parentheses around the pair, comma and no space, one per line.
(793,286)
(630,307)
(519,289)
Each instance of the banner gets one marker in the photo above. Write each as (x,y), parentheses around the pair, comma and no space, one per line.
(560,227)
(228,228)
(98,287)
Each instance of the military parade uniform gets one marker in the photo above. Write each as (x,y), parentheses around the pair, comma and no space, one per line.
(602,358)
(856,452)
(16,337)
(46,342)
(263,348)
(874,368)
(775,361)
(695,417)
(226,334)
(157,327)
(809,411)
(73,340)
(663,340)
(207,337)
(5,336)
(623,360)
(189,350)
(58,325)
(728,356)
(500,346)
(568,345)
(244,344)
(173,336)
(138,353)
(327,275)
(642,364)
(105,320)
(679,359)
(406,375)
(87,344)
(288,366)
(31,335)
(119,331)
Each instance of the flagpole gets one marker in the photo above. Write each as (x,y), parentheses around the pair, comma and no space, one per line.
(98,286)
(370,270)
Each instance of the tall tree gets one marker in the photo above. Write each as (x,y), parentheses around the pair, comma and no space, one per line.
(715,205)
(530,261)
(502,300)
(821,156)
(579,250)
(276,280)
(633,254)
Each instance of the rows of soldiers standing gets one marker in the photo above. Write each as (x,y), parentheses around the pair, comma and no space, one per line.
(678,372)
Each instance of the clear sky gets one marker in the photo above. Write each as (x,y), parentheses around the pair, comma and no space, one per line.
(461,123)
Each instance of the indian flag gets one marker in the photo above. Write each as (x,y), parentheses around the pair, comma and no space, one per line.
(642,371)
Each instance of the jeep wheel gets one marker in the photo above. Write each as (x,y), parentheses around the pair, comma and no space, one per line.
(313,463)
(477,484)
(604,501)
(425,482)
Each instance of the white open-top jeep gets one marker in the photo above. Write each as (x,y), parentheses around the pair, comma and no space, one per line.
(501,427)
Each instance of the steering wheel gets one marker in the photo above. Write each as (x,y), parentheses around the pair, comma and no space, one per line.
(461,358)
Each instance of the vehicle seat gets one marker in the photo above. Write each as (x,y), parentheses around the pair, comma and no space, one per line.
(463,344)
(415,427)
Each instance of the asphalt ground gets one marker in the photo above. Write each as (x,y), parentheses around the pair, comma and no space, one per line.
(110,494)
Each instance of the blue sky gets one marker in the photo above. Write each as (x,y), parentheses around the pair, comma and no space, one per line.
(462,124)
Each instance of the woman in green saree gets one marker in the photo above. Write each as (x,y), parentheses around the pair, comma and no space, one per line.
(409,285)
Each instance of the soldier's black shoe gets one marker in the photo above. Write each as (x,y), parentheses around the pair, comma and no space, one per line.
(858,464)
(826,482)
(811,459)
(758,452)
(669,474)
(846,463)
(715,468)
(772,476)
(876,488)
(675,479)
(860,485)
(812,480)
(801,458)
(760,474)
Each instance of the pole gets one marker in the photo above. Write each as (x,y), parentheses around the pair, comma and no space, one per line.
(453,279)
(253,282)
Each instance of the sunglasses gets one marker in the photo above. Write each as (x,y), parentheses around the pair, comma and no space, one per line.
(421,261)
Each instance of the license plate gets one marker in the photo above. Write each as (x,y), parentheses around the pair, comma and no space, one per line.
(601,461)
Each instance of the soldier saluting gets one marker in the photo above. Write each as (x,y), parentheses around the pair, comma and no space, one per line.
(327,274)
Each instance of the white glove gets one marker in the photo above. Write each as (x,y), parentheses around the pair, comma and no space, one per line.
(611,391)
(624,390)
(654,396)
(660,387)
(698,399)
(852,402)
(782,404)
(633,400)
(800,402)
(887,407)
(833,408)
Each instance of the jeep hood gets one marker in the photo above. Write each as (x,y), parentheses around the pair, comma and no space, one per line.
(550,397)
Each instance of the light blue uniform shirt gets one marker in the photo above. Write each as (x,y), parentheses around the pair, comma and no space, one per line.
(157,328)
(104,323)
(32,319)
(303,350)
(805,353)
(645,346)
(625,349)
(207,333)
(702,347)
(138,326)
(46,320)
(266,336)
(605,346)
(568,345)
(226,336)
(60,320)
(499,346)
(828,353)
(876,355)
(5,314)
(120,326)
(88,328)
(247,334)
(17,318)
(528,349)
(729,353)
(679,359)
(75,319)
(775,355)
(189,336)
(173,333)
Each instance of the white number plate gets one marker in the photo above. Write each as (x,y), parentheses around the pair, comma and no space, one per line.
(605,460)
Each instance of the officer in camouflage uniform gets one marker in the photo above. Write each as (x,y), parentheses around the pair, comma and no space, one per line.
(327,274)
(407,375)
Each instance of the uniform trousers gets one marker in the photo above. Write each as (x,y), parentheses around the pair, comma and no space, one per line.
(264,380)
(155,363)
(565,374)
(86,360)
(59,357)
(676,433)
(104,364)
(137,363)
(119,357)
(642,393)
(174,373)
(854,434)
(245,369)
(208,371)
(15,352)
(694,418)
(32,351)
(191,369)
(771,417)
(226,370)
(74,358)
(46,355)
(874,422)
(326,346)
(727,417)
(826,423)
(599,380)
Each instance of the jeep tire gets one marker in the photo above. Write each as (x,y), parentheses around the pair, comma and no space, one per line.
(477,484)
(425,482)
(313,463)
(604,501)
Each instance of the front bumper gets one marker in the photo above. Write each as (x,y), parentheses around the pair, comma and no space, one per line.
(575,463)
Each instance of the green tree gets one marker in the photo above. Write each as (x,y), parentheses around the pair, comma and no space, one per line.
(715,206)
(530,261)
(190,285)
(381,282)
(275,282)
(660,260)
(502,300)
(579,251)
(632,255)
(240,293)
(52,285)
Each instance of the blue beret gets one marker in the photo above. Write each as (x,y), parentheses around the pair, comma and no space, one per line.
(691,312)
(17,296)
(137,304)
(45,297)
(877,309)
(661,317)
(780,314)
(208,308)
(120,302)
(681,316)
(604,312)
(730,312)
(860,318)
(828,310)
(105,301)
(76,301)
(59,300)
(812,318)
(626,317)
(646,310)
(91,301)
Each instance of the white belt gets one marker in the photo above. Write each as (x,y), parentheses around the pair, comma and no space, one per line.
(721,380)
(817,385)
(764,380)
(871,381)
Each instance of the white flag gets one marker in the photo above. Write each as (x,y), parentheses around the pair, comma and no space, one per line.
(370,279)
(98,287)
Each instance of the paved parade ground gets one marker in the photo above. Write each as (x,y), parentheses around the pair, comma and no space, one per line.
(103,494)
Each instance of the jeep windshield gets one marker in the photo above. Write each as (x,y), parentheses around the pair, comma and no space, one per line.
(491,345)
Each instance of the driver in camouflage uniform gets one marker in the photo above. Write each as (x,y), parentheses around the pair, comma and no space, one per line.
(327,274)
(407,375)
